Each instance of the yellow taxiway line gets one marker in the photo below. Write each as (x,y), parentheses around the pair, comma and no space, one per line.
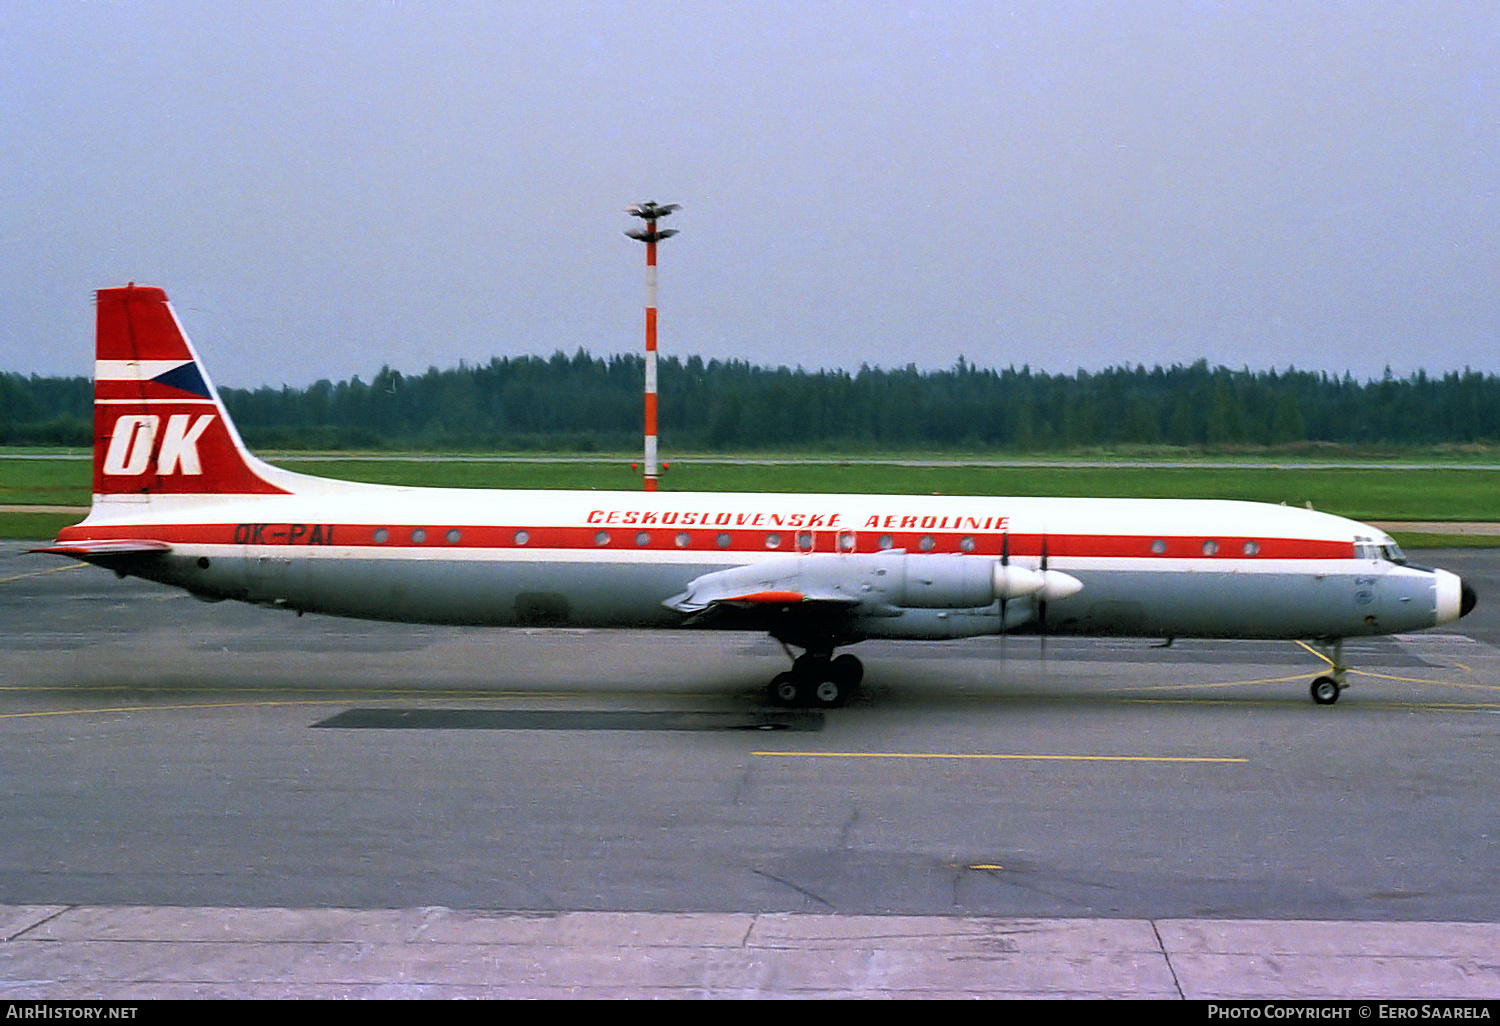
(1217,684)
(1406,680)
(39,573)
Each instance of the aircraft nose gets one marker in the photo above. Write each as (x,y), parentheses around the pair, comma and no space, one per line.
(1466,600)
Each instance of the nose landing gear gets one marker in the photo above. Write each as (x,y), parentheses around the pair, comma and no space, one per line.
(1326,689)
(817,681)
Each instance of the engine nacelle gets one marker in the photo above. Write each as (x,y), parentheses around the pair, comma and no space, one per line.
(941,582)
(966,582)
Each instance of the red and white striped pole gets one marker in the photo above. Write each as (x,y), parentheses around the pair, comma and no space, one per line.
(651,212)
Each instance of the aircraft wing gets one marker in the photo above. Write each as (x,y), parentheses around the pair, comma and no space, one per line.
(772,587)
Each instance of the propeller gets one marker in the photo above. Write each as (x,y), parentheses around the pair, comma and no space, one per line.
(1004,562)
(1041,603)
(1038,586)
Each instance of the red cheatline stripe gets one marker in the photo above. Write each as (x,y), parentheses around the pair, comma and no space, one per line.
(706,539)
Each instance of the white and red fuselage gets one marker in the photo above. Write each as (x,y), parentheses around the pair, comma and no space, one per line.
(178,499)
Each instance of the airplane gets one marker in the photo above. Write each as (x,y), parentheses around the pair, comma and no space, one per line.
(178,499)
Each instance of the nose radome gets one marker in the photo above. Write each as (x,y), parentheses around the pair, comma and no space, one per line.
(1454,598)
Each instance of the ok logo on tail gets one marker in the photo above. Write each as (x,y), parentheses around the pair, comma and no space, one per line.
(134,439)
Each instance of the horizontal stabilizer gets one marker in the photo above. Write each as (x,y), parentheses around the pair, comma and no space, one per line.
(108,547)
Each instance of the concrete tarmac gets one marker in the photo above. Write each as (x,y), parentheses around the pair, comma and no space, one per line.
(223,800)
(128,954)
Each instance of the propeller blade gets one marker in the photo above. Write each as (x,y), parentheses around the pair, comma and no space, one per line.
(1041,606)
(1004,562)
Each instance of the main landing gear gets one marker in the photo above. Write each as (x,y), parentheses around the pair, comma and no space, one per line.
(817,680)
(1326,689)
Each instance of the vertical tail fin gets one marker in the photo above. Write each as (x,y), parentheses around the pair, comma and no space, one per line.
(159,426)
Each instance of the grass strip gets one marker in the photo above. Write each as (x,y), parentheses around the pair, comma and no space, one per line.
(1361,493)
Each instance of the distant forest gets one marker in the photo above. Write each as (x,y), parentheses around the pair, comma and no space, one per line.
(585,403)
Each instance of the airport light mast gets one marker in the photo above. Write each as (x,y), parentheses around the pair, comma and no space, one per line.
(651,212)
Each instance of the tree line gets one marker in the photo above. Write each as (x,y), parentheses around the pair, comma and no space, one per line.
(584,403)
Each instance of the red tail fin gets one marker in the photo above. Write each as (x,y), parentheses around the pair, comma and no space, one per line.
(159,427)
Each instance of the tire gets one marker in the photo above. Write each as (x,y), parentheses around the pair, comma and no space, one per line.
(784,690)
(829,694)
(847,671)
(1325,690)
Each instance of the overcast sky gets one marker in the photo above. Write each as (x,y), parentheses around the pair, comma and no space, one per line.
(327,187)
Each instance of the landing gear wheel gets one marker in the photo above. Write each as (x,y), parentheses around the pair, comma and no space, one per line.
(830,694)
(847,671)
(784,690)
(1325,691)
(817,681)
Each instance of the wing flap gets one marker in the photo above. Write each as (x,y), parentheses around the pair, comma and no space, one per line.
(768,586)
(766,598)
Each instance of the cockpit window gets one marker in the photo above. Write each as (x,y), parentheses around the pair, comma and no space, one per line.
(1391,551)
